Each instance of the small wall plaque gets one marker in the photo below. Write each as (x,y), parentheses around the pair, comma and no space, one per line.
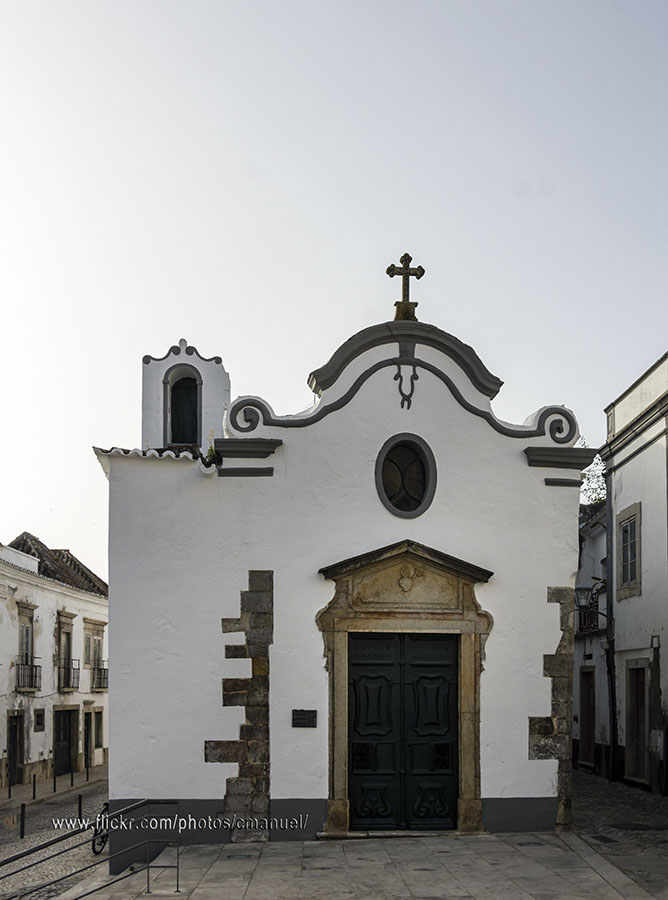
(304,718)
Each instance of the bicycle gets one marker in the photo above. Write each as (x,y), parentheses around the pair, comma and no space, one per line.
(101,830)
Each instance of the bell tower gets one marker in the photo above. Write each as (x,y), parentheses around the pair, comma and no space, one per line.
(184,398)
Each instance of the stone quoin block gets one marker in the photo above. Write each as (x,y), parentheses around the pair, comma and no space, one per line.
(261,620)
(239,805)
(555,746)
(257,715)
(234,625)
(258,692)
(260,665)
(237,787)
(235,685)
(254,732)
(261,580)
(556,665)
(258,751)
(262,785)
(223,751)
(248,793)
(541,725)
(239,698)
(257,602)
(251,770)
(260,805)
(261,636)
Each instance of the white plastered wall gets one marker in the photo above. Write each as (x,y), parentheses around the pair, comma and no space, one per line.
(642,479)
(181,545)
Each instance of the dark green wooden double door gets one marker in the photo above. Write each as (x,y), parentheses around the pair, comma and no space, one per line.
(403,718)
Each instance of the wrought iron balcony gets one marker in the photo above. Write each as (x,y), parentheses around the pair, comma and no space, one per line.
(28,674)
(68,674)
(588,616)
(99,676)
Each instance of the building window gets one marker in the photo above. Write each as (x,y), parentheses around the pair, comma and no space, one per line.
(25,641)
(628,552)
(68,668)
(98,728)
(92,654)
(26,613)
(406,475)
(28,670)
(93,638)
(39,720)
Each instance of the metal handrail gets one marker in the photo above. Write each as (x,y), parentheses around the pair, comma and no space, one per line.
(97,862)
(73,833)
(28,672)
(69,672)
(99,675)
(45,859)
(64,837)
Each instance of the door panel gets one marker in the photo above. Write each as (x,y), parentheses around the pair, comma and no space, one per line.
(88,718)
(430,733)
(403,715)
(62,741)
(587,717)
(15,749)
(375,731)
(636,762)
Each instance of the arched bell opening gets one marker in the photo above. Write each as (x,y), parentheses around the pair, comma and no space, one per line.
(182,405)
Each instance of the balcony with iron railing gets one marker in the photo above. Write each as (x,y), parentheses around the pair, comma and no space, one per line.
(68,674)
(99,675)
(591,617)
(28,673)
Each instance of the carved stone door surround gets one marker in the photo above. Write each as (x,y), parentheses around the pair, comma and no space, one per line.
(405,587)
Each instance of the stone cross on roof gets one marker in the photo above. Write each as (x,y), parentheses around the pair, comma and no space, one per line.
(404,308)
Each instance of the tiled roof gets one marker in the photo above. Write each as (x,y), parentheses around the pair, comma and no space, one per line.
(61,565)
(175,451)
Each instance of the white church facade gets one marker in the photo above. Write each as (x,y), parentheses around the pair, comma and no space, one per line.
(358,618)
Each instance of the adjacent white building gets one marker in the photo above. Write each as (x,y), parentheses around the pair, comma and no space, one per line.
(392,570)
(624,667)
(53,663)
(592,666)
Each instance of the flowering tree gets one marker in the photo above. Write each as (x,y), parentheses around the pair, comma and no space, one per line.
(593,482)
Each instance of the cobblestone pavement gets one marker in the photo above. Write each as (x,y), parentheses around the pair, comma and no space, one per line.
(641,849)
(39,828)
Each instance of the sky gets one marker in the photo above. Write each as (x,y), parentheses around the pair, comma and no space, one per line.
(241,174)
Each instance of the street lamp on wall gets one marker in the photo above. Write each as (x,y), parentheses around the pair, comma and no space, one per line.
(585,597)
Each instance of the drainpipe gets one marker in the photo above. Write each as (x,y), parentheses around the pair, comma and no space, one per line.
(610,624)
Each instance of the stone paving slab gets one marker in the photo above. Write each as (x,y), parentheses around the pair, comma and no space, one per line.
(455,867)
(640,850)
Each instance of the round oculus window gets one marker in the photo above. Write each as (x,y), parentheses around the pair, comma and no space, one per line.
(406,475)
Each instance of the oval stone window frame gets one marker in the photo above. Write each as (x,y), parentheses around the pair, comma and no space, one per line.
(423,450)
